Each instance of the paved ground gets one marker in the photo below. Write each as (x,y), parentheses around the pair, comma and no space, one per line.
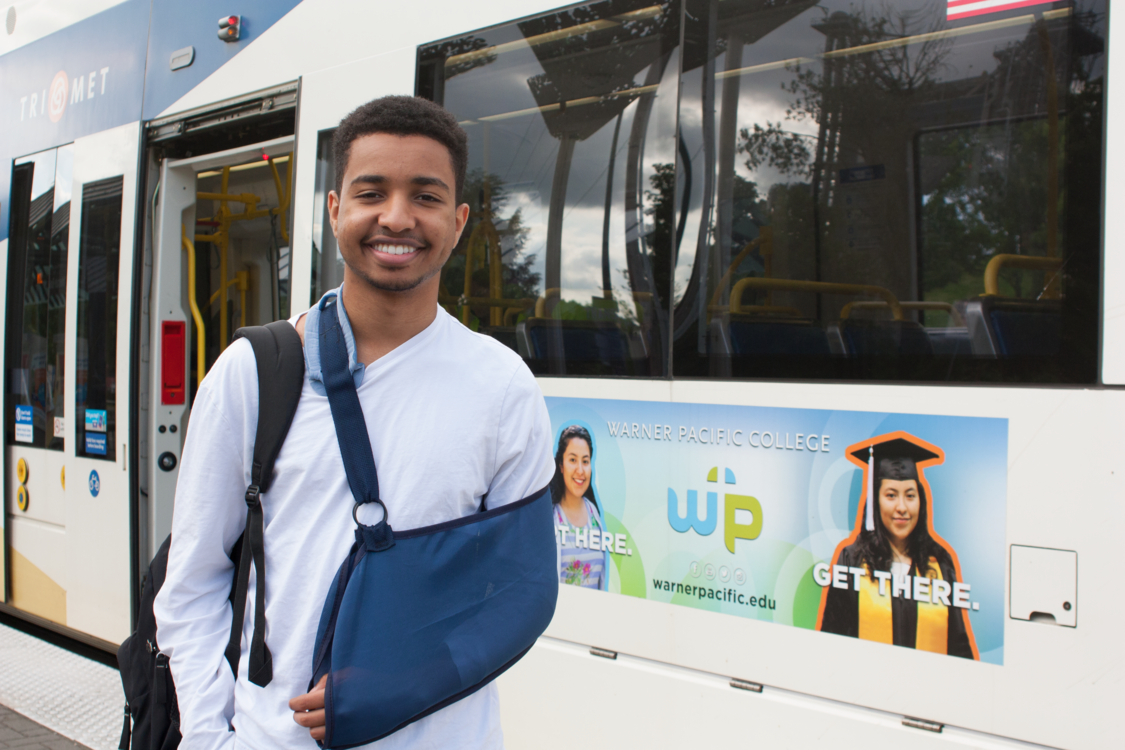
(55,699)
(21,733)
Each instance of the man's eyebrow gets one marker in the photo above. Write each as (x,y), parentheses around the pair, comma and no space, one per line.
(420,180)
(378,179)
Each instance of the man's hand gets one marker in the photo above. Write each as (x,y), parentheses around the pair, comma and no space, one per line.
(308,709)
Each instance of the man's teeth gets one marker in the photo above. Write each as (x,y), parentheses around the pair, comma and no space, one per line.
(395,249)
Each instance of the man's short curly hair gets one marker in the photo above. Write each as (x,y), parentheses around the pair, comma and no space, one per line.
(402,115)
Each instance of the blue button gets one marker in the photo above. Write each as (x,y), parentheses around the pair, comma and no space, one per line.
(95,483)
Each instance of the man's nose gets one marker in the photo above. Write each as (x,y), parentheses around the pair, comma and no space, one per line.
(396,215)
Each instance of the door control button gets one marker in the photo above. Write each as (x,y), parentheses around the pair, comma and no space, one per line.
(166,461)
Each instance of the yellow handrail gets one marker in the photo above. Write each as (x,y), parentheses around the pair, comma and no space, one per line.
(221,235)
(765,240)
(484,233)
(283,196)
(242,279)
(541,303)
(523,304)
(817,287)
(200,331)
(758,310)
(1025,262)
(913,305)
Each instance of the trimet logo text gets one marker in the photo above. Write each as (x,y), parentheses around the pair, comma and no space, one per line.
(51,102)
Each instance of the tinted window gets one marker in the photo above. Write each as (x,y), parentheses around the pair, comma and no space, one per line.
(878,191)
(98,254)
(40,231)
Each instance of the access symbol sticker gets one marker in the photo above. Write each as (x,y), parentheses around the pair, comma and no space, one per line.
(25,432)
(95,483)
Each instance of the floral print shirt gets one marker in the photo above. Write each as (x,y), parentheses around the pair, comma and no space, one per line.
(579,565)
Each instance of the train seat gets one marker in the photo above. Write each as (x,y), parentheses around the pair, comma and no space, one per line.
(950,342)
(1014,328)
(885,338)
(578,346)
(751,335)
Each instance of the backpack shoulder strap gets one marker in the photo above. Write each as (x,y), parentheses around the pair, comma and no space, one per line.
(280,359)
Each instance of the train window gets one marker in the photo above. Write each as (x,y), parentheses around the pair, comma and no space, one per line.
(880,191)
(328,264)
(40,231)
(571,119)
(98,254)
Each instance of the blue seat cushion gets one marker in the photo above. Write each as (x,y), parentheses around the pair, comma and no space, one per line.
(760,337)
(1025,328)
(885,338)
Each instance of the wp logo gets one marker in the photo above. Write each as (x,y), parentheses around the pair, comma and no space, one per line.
(734,523)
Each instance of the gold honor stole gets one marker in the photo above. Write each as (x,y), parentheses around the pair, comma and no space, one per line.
(876,621)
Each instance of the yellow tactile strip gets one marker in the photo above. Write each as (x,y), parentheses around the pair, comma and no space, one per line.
(66,693)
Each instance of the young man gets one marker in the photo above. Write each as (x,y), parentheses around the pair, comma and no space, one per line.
(453,416)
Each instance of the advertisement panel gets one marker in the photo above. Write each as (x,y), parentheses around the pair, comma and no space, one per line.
(762,512)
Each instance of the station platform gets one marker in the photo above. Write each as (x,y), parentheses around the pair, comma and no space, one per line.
(55,699)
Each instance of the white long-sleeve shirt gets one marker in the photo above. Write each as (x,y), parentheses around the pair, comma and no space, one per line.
(452,416)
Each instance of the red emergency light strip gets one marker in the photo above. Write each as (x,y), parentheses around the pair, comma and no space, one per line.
(957,9)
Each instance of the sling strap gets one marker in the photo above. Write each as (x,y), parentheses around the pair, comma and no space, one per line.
(281,374)
(351,427)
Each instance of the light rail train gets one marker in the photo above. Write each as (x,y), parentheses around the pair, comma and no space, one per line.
(772,245)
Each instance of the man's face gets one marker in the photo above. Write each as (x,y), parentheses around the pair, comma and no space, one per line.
(396,218)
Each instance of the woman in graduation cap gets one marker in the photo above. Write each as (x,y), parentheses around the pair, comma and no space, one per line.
(897,538)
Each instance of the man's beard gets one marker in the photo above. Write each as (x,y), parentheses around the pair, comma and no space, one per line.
(398,285)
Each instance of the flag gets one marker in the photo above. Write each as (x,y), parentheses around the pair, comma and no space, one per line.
(957,9)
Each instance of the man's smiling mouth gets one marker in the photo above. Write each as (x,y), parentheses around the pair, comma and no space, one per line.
(395,249)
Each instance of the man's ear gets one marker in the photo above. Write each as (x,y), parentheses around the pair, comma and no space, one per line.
(460,217)
(334,209)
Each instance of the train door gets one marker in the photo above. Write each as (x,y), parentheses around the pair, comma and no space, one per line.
(221,261)
(66,360)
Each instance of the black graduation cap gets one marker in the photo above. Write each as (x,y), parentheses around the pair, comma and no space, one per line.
(896,459)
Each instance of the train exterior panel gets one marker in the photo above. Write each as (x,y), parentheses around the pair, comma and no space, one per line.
(743,245)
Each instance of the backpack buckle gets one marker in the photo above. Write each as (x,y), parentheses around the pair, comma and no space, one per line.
(253,495)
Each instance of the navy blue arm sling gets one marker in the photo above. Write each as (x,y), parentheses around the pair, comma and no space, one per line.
(416,620)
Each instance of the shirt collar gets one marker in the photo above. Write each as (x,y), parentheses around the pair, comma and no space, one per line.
(312,341)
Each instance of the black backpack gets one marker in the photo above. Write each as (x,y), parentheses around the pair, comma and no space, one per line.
(152,716)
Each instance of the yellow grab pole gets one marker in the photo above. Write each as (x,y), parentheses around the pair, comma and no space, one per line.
(200,331)
(722,285)
(817,287)
(1025,262)
(283,195)
(242,278)
(224,219)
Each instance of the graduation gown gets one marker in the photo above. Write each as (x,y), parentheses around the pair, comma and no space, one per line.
(842,612)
